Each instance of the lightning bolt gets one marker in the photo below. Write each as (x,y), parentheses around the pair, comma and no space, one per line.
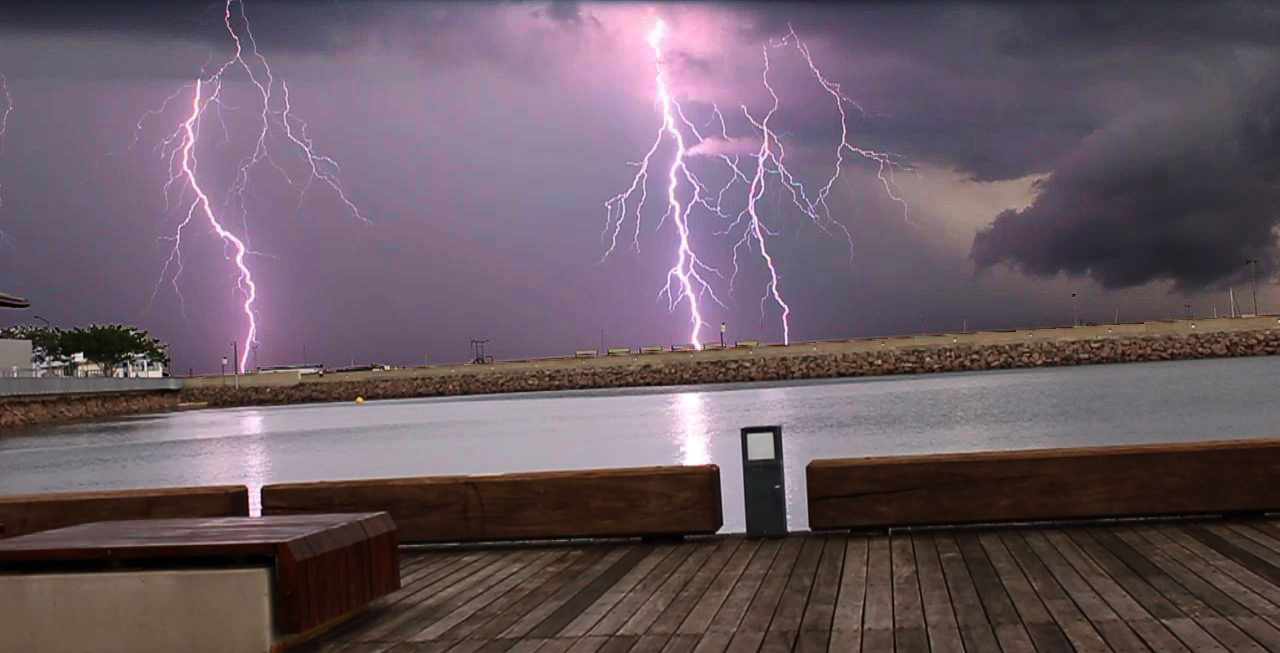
(884,161)
(770,164)
(275,117)
(4,125)
(685,280)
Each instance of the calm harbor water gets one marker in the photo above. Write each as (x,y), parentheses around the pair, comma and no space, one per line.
(1057,407)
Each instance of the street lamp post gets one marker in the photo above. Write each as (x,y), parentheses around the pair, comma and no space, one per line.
(722,328)
(46,322)
(1075,310)
(235,362)
(1253,272)
(1188,307)
(224,370)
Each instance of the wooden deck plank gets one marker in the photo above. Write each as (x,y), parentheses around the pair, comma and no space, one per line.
(971,617)
(1083,635)
(625,608)
(528,623)
(1047,634)
(1153,632)
(908,610)
(678,610)
(877,611)
(1241,549)
(846,622)
(1262,586)
(510,600)
(1004,618)
(581,625)
(819,611)
(440,603)
(699,618)
(789,615)
(939,616)
(1263,545)
(573,608)
(735,605)
(1138,587)
(1242,633)
(495,591)
(500,622)
(1118,635)
(419,599)
(649,611)
(755,622)
(1255,602)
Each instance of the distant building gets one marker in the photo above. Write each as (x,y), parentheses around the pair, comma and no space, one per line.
(15,357)
(137,367)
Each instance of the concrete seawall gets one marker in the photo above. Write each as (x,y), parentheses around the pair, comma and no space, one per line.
(987,351)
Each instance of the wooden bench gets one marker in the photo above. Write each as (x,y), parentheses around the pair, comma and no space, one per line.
(30,513)
(646,501)
(1240,476)
(221,584)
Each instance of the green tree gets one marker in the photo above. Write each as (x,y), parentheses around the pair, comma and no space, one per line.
(109,345)
(46,342)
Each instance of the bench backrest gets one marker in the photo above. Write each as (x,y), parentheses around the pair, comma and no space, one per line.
(30,513)
(1240,476)
(653,501)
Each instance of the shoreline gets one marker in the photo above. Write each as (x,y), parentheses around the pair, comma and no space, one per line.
(751,365)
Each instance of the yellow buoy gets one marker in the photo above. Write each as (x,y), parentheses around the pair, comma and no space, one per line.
(359,400)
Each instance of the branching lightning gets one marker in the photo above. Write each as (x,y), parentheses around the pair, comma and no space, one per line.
(276,117)
(770,163)
(5,110)
(687,273)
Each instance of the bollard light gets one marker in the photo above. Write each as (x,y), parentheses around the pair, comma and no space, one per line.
(763,482)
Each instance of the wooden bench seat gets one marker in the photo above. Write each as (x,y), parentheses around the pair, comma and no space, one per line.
(310,570)
(1232,476)
(628,502)
(31,513)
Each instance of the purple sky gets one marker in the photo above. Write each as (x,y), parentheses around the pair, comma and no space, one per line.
(1126,152)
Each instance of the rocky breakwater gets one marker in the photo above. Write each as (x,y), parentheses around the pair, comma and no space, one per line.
(762,367)
(32,410)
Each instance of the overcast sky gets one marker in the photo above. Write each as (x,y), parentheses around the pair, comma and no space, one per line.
(1128,152)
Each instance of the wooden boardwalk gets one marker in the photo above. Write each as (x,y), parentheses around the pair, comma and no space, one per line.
(1136,586)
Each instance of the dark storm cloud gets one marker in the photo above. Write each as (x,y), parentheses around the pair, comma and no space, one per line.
(1159,170)
(1186,197)
(286,25)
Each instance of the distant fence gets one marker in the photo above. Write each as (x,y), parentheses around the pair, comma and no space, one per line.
(10,387)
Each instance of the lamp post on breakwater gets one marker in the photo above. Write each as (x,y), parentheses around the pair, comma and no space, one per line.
(1253,272)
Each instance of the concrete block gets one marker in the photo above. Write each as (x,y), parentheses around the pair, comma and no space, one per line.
(226,610)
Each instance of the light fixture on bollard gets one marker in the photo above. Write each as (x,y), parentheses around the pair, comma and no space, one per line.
(763,484)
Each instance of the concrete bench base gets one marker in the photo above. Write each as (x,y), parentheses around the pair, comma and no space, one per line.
(225,610)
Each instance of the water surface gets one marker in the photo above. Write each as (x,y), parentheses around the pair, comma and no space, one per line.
(1052,407)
